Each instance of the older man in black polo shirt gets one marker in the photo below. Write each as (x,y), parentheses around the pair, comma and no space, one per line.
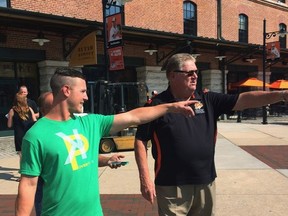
(184,148)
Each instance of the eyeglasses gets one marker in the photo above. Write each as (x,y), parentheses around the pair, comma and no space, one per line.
(187,73)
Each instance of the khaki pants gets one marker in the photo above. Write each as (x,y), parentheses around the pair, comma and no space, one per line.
(193,200)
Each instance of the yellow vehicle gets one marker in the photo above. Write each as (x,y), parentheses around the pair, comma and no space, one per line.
(112,98)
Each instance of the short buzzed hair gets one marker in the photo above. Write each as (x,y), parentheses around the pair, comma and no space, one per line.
(62,76)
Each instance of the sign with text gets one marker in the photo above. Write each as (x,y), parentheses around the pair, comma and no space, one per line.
(85,52)
(116,58)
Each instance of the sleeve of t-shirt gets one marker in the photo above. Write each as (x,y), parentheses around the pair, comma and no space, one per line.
(222,103)
(98,123)
(144,131)
(107,122)
(30,165)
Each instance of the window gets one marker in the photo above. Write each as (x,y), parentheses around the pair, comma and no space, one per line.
(281,1)
(4,3)
(243,28)
(114,8)
(190,18)
(282,40)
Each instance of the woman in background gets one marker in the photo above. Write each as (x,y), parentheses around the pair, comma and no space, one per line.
(22,117)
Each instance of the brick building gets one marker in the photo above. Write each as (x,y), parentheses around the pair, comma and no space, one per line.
(228,35)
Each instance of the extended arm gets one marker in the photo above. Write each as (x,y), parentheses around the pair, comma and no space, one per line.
(146,184)
(146,114)
(10,118)
(107,161)
(255,99)
(26,193)
(34,117)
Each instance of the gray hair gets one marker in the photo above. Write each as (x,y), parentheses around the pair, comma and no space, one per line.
(176,62)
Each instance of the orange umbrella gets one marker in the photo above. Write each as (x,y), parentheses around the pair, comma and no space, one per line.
(252,82)
(279,84)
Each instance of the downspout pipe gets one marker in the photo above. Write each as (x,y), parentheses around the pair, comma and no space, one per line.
(222,65)
(219,20)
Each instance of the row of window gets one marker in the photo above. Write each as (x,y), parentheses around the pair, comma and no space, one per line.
(243,31)
(190,23)
(190,20)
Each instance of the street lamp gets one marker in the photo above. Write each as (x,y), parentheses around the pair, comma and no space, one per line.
(267,35)
(106,4)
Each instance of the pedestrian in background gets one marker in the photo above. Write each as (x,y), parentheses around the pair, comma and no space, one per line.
(21,117)
(31,103)
(184,148)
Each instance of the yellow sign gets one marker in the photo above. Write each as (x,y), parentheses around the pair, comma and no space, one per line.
(85,52)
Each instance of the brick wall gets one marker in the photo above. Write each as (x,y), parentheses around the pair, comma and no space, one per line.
(167,15)
(82,9)
(256,12)
(162,15)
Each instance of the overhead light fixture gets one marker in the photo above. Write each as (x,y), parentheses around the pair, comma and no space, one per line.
(282,33)
(195,55)
(250,59)
(40,39)
(151,50)
(220,58)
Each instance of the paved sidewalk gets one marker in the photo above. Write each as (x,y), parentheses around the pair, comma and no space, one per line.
(252,166)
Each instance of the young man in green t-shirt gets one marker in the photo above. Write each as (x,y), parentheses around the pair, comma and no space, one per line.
(62,148)
(45,102)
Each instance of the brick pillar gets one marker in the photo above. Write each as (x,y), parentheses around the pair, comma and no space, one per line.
(154,78)
(259,75)
(212,79)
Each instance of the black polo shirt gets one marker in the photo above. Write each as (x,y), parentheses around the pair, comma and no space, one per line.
(184,147)
(33,105)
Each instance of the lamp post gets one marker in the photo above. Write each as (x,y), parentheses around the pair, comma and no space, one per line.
(267,35)
(106,4)
(264,111)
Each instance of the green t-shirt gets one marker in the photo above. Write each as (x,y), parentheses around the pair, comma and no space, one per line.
(65,155)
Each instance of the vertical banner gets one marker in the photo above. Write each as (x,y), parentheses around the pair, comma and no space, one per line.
(273,50)
(114,30)
(116,58)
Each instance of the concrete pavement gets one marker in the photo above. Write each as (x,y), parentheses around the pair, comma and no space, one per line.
(252,166)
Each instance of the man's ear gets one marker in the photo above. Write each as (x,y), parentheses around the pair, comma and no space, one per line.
(170,76)
(66,90)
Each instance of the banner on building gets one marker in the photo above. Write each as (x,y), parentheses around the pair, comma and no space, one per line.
(85,52)
(116,58)
(273,50)
(114,30)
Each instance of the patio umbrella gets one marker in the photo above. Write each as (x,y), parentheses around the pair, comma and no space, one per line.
(252,82)
(279,84)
